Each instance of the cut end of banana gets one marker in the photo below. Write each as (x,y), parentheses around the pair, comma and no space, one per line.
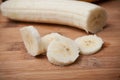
(97,20)
(32,40)
(62,51)
(89,44)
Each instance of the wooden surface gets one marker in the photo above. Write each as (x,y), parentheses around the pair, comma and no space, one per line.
(16,64)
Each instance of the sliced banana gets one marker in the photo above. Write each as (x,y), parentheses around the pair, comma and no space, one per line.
(47,39)
(32,40)
(89,44)
(62,51)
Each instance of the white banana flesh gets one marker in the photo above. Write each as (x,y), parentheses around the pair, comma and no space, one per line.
(32,40)
(62,51)
(83,15)
(47,39)
(89,44)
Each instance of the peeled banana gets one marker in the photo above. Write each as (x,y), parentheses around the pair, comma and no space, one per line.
(62,51)
(89,44)
(32,40)
(83,15)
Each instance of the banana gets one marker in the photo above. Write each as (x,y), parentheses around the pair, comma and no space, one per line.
(87,16)
(89,44)
(62,51)
(32,40)
(47,39)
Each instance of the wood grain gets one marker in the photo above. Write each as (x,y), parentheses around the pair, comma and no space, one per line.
(16,64)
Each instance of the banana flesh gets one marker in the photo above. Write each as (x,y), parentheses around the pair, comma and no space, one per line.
(47,39)
(32,40)
(89,44)
(62,51)
(87,16)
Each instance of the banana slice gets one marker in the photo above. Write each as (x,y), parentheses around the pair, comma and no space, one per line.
(47,39)
(89,44)
(32,40)
(62,51)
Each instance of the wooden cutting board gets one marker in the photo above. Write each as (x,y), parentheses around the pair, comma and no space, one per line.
(16,64)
